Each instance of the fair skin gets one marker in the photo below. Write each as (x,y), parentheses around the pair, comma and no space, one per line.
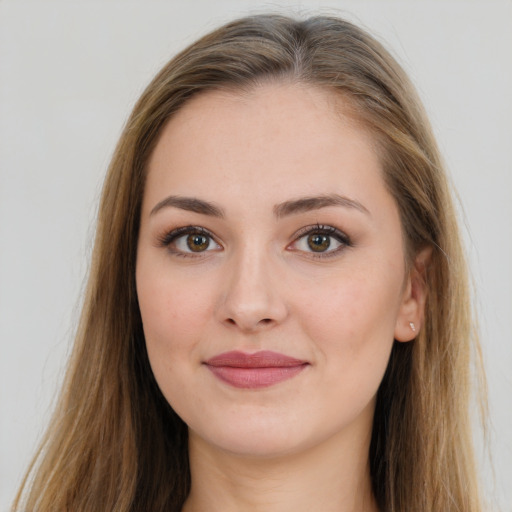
(322,281)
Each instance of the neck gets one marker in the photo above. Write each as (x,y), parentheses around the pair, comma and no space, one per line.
(333,476)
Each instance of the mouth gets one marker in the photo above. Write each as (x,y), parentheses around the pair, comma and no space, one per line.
(251,371)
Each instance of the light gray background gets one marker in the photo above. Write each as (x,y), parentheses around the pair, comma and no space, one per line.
(70,73)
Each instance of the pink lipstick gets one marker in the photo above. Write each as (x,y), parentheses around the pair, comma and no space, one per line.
(258,370)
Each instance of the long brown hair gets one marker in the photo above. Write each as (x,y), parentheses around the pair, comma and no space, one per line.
(115,443)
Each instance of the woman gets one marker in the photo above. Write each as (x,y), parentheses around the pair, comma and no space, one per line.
(277,315)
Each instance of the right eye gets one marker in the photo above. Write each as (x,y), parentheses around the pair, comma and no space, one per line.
(189,241)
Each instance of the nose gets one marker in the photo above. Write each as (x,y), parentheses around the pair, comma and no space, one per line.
(253,293)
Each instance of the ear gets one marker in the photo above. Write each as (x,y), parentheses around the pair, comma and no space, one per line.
(412,308)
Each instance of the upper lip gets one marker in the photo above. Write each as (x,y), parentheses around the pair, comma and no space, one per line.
(262,359)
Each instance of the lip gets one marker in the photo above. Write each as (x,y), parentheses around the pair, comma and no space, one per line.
(258,370)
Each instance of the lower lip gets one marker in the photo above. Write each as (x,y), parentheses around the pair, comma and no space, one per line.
(253,378)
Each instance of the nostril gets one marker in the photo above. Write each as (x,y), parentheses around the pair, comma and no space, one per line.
(263,321)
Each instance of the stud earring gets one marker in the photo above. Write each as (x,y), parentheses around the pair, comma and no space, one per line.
(413,327)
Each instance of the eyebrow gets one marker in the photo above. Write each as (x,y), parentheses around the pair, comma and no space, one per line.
(190,204)
(294,206)
(307,204)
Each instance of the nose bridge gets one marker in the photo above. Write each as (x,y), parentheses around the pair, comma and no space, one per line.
(251,296)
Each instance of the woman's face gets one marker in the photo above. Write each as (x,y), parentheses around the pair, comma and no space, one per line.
(270,270)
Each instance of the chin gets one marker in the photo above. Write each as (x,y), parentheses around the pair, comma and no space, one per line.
(267,437)
(256,444)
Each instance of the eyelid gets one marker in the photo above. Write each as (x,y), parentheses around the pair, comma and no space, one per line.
(322,228)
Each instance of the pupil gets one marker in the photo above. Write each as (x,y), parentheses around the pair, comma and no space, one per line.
(318,242)
(197,243)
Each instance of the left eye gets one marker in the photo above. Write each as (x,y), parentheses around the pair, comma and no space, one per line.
(321,240)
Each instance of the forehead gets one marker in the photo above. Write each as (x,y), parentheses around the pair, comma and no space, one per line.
(285,107)
(275,139)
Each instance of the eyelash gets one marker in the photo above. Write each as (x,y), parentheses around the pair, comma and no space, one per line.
(168,238)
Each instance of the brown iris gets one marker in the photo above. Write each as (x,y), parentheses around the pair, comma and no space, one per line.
(318,242)
(197,242)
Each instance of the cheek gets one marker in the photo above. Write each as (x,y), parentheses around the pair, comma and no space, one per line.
(355,305)
(352,320)
(174,313)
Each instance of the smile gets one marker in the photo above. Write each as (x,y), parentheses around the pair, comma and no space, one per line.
(251,371)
